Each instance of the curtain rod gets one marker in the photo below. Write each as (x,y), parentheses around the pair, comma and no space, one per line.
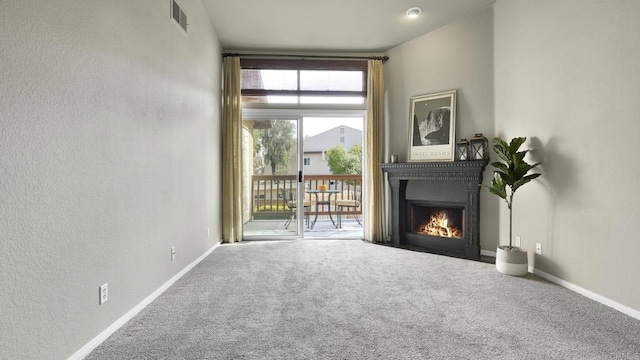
(302,57)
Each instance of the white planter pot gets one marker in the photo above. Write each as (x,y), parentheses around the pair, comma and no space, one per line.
(512,261)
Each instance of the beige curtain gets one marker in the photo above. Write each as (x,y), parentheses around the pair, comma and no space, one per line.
(375,221)
(231,152)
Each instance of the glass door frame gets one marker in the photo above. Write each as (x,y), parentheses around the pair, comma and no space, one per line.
(298,112)
(299,218)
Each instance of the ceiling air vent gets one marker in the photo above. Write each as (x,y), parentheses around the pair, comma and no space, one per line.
(178,15)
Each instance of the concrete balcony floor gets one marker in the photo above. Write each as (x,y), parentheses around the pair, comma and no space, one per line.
(323,229)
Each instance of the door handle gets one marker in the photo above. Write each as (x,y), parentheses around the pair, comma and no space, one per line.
(299,176)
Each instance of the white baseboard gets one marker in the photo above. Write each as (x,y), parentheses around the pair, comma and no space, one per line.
(580,290)
(588,293)
(487,253)
(95,342)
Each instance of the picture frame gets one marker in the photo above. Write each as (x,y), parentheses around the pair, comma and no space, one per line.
(432,127)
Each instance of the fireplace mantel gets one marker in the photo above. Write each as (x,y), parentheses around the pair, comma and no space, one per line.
(470,171)
(458,174)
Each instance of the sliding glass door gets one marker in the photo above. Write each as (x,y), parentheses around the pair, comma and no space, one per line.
(302,184)
(273,205)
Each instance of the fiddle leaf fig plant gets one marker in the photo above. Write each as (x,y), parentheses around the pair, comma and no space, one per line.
(511,173)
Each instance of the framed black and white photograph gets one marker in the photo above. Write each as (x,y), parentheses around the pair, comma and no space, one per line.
(432,127)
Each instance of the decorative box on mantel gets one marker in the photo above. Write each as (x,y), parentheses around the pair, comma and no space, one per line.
(436,205)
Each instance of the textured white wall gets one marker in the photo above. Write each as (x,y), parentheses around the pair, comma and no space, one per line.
(458,56)
(567,75)
(109,155)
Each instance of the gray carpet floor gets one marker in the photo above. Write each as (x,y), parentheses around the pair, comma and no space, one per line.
(347,299)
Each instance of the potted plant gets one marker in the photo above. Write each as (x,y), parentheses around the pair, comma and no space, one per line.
(512,172)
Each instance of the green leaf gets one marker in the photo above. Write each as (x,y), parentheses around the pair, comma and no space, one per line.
(520,170)
(501,148)
(498,186)
(523,181)
(505,177)
(501,143)
(519,156)
(500,166)
(501,194)
(516,143)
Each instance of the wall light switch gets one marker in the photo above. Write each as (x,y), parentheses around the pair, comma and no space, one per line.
(173,253)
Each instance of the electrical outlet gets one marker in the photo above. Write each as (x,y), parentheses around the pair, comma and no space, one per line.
(538,249)
(517,241)
(173,253)
(103,292)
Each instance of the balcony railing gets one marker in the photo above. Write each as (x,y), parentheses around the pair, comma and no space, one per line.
(269,191)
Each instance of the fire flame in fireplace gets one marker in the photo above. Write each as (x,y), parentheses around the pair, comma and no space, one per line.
(438,225)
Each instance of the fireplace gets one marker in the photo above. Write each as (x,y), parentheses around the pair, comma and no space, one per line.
(436,206)
(428,219)
(435,226)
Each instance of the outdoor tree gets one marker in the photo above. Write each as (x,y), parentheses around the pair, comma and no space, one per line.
(275,143)
(345,162)
(258,155)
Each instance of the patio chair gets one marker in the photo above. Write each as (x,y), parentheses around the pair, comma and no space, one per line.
(290,199)
(349,204)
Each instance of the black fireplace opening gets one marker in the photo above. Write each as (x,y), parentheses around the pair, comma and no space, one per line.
(438,220)
(439,227)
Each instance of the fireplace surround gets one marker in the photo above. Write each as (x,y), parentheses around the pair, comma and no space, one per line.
(449,187)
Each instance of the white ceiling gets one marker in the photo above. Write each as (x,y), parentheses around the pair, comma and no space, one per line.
(330,25)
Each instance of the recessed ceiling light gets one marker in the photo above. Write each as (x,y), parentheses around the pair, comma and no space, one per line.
(414,12)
